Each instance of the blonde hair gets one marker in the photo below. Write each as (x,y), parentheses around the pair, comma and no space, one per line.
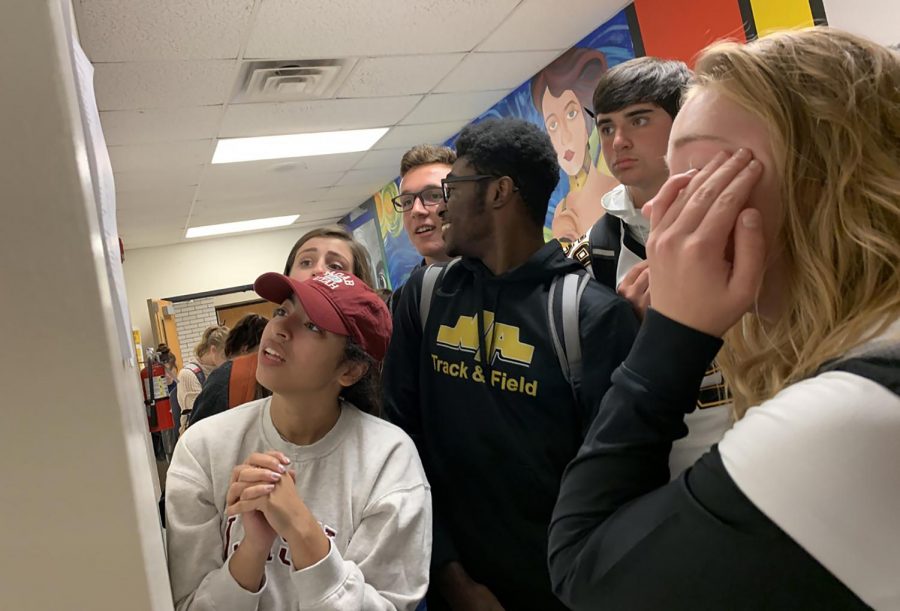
(832,104)
(212,337)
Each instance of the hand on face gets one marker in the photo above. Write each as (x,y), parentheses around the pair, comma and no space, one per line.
(697,281)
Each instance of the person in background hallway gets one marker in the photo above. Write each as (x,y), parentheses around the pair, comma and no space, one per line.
(481,389)
(634,106)
(421,170)
(209,353)
(329,248)
(223,390)
(328,507)
(777,230)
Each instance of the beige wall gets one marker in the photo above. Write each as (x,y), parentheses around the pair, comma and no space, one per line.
(80,527)
(206,265)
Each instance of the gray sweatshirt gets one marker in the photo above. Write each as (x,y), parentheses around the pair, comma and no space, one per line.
(363,482)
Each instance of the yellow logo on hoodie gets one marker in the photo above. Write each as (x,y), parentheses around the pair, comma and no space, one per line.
(502,340)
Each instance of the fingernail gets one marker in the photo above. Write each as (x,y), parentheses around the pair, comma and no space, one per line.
(274,476)
(281,469)
(742,153)
(750,219)
(691,172)
(754,165)
(285,459)
(269,488)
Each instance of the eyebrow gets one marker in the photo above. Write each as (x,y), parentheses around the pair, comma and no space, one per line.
(698,137)
(628,115)
(428,186)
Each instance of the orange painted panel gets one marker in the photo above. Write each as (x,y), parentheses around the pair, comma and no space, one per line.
(680,30)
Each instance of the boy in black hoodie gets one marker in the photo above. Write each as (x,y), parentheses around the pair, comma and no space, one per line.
(480,388)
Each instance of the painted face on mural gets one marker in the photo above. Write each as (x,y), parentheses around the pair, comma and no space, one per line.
(564,120)
(422,223)
(634,141)
(466,223)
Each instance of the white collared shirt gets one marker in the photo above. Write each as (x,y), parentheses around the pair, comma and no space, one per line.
(618,203)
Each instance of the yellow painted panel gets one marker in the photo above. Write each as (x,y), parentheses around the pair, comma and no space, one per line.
(771,15)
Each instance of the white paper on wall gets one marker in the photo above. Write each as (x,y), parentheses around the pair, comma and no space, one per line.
(104,192)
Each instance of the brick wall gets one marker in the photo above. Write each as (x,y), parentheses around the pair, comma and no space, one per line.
(191,319)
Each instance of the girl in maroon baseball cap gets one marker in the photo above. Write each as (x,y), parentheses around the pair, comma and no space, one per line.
(305,498)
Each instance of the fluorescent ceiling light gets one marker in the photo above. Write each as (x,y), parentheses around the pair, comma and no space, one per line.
(230,150)
(207,230)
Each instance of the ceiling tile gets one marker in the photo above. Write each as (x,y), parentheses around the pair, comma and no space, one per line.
(384,158)
(485,71)
(273,169)
(165,200)
(136,85)
(374,178)
(219,181)
(404,75)
(153,180)
(144,238)
(141,157)
(348,28)
(314,116)
(147,126)
(357,193)
(210,214)
(406,136)
(151,220)
(527,27)
(452,106)
(137,30)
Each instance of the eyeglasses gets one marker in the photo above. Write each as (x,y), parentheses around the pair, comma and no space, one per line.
(446,182)
(430,196)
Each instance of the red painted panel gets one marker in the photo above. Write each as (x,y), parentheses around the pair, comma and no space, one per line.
(680,30)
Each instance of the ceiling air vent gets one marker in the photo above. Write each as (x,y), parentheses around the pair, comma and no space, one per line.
(291,80)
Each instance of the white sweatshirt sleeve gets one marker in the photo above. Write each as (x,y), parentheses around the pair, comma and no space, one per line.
(391,547)
(198,572)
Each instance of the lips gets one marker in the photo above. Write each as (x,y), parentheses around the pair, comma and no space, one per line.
(623,164)
(569,155)
(423,229)
(271,356)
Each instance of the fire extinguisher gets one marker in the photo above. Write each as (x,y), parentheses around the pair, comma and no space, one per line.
(156,394)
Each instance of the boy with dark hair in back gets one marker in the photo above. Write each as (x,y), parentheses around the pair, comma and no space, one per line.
(634,106)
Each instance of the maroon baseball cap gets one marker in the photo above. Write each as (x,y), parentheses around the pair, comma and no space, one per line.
(338,302)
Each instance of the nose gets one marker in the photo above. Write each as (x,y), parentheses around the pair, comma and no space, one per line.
(565,134)
(278,328)
(621,141)
(418,208)
(320,268)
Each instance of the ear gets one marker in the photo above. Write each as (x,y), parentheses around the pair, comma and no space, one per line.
(501,192)
(352,372)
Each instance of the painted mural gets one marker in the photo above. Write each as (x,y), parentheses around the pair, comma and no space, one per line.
(555,99)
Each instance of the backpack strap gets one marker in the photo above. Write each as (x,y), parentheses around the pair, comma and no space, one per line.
(563,310)
(605,244)
(881,366)
(242,381)
(197,371)
(431,280)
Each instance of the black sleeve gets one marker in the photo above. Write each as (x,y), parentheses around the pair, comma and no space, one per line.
(623,537)
(609,327)
(402,402)
(213,399)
